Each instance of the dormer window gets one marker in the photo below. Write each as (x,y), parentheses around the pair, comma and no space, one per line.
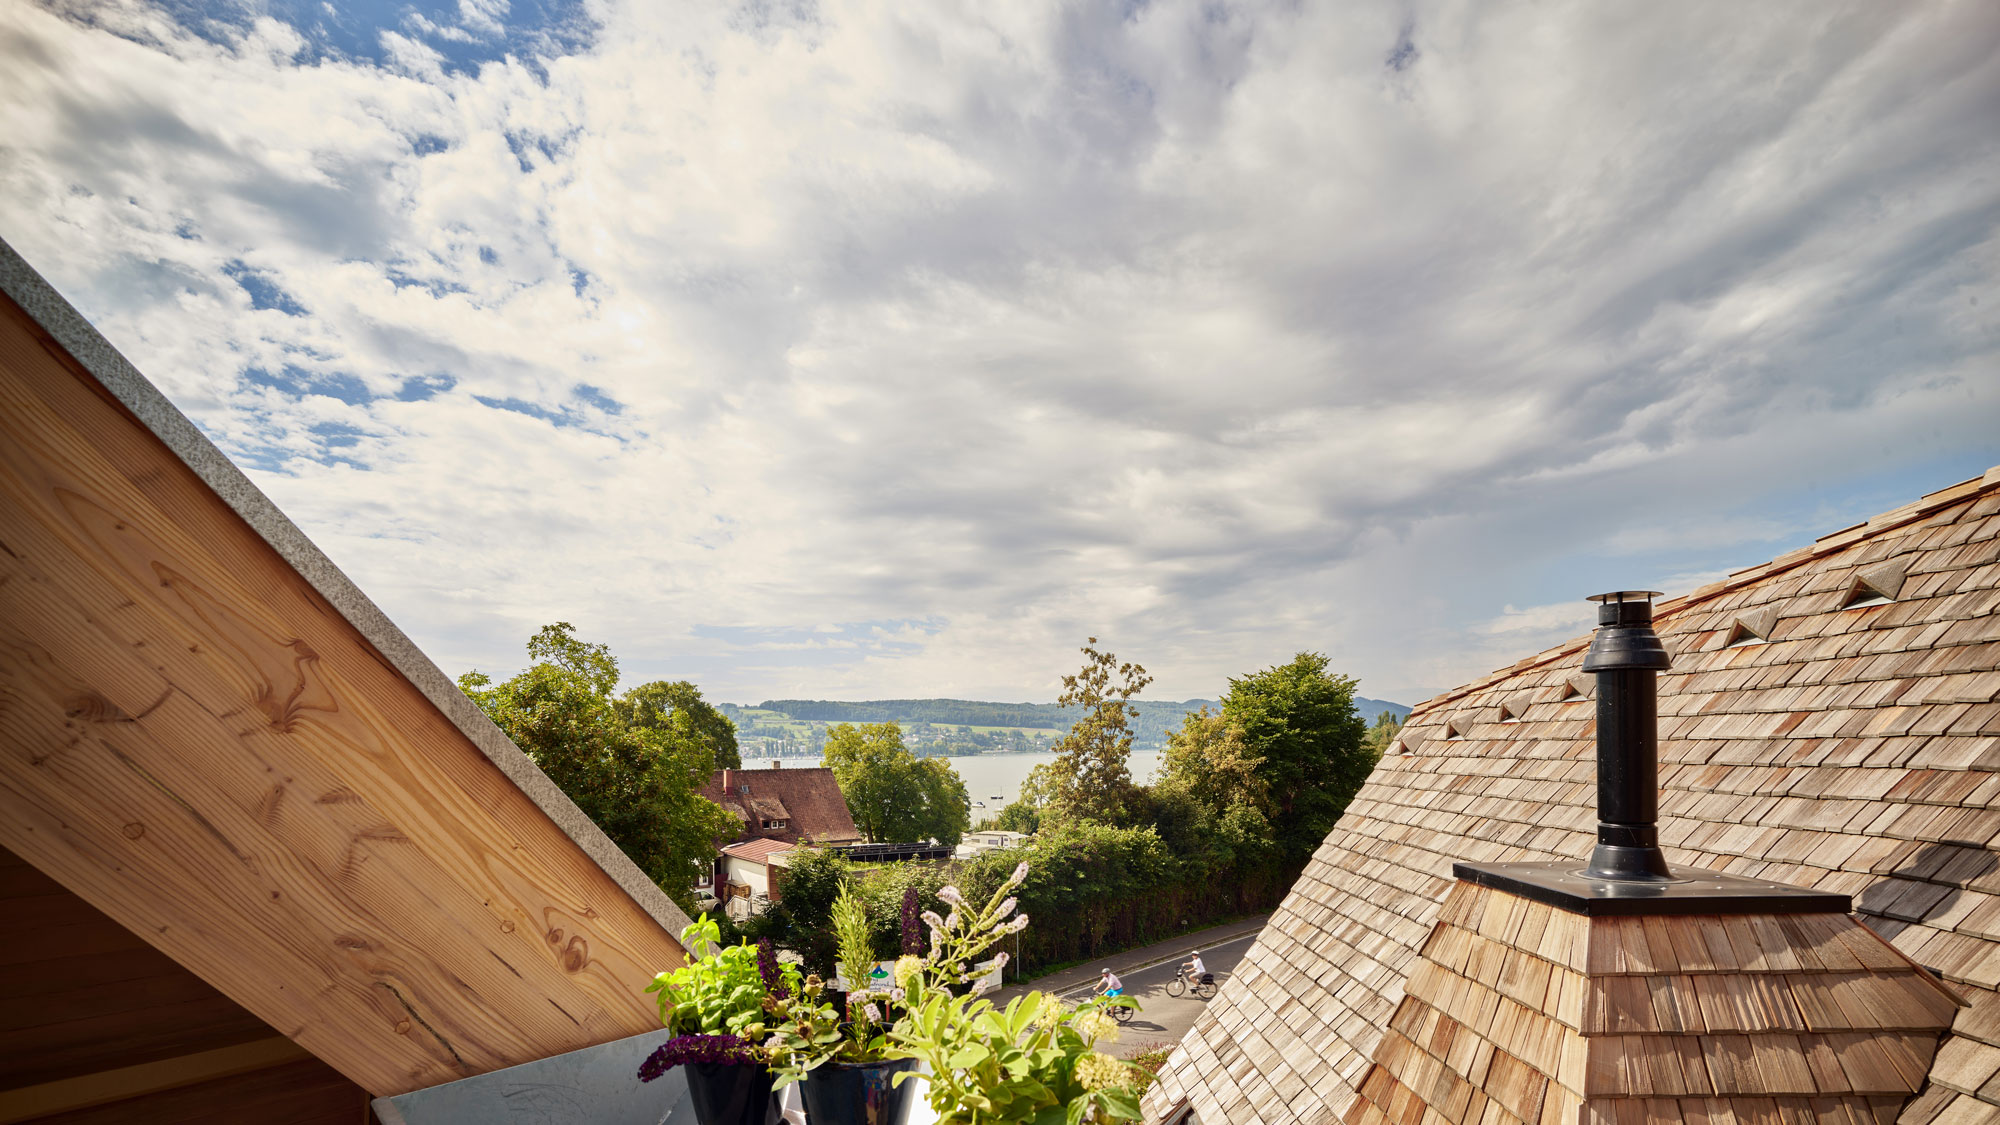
(775,824)
(1751,628)
(1877,585)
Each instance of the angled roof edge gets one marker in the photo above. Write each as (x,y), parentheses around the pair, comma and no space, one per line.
(116,374)
(1846,537)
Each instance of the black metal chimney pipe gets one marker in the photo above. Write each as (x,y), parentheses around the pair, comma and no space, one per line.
(1625,655)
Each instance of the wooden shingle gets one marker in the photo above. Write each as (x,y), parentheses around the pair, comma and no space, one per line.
(1854,750)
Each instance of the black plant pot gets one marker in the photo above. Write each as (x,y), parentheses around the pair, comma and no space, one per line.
(730,1094)
(859,1093)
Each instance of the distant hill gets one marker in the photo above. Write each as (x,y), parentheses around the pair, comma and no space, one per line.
(1156,717)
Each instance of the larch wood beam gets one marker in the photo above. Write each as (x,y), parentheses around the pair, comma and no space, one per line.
(196,742)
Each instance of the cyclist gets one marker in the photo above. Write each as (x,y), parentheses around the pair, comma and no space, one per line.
(1109,985)
(1192,968)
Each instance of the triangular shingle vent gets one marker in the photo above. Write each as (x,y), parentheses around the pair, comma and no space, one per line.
(1577,687)
(1511,710)
(1877,585)
(1752,627)
(1454,729)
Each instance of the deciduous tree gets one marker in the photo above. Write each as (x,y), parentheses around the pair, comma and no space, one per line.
(1299,720)
(894,795)
(637,782)
(1089,778)
(677,706)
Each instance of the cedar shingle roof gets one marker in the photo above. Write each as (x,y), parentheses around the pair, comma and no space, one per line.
(1519,1012)
(1855,750)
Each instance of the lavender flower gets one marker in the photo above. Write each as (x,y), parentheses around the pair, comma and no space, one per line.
(1020,874)
(767,967)
(913,938)
(949,893)
(685,1050)
(932,920)
(1006,908)
(1019,923)
(874,1013)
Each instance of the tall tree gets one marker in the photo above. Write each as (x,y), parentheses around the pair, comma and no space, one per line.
(1299,720)
(677,706)
(1379,736)
(894,795)
(638,783)
(1089,778)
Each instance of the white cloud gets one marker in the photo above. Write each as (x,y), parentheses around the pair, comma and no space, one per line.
(873,350)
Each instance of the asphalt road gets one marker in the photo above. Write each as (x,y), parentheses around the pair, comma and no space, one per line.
(1161,1019)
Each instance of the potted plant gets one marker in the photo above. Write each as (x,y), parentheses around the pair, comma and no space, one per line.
(716,1005)
(1034,1061)
(845,1071)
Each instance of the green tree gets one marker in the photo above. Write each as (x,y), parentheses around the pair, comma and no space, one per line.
(1019,817)
(894,795)
(1212,806)
(1089,778)
(1379,736)
(677,706)
(638,783)
(1300,721)
(1211,761)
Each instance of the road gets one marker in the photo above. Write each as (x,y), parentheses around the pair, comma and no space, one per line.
(1161,1019)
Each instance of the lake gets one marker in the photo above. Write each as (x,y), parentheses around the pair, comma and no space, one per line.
(988,775)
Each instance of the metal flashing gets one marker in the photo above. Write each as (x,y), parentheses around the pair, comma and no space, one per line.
(1563,885)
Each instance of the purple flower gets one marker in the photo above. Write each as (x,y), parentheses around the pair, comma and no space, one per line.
(683,1050)
(767,967)
(913,938)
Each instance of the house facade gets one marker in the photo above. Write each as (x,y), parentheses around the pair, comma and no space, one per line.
(749,874)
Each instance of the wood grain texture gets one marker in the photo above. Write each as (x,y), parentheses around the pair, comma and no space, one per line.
(194,742)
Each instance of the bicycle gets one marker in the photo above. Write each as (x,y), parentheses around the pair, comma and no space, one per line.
(1204,988)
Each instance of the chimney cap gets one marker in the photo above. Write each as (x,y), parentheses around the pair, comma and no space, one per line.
(1625,637)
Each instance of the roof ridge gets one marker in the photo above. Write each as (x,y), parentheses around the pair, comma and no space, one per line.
(1879,524)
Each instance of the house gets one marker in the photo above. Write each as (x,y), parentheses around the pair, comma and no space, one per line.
(1830,721)
(747,875)
(260,860)
(790,805)
(989,840)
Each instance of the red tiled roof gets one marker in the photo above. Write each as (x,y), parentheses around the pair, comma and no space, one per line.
(758,851)
(1849,748)
(808,800)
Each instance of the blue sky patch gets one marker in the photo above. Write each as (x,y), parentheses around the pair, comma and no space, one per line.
(299,382)
(529,29)
(264,293)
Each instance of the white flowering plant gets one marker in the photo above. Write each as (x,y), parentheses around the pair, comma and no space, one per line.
(1036,1060)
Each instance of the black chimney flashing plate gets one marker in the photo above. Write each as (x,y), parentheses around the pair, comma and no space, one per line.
(1562,885)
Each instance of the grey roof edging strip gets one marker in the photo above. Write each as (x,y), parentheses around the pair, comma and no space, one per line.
(116,374)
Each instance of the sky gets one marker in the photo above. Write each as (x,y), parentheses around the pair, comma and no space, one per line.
(873,350)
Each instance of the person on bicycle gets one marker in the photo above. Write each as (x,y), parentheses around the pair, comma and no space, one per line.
(1108,985)
(1193,968)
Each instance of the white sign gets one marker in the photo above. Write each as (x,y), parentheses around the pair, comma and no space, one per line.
(881,978)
